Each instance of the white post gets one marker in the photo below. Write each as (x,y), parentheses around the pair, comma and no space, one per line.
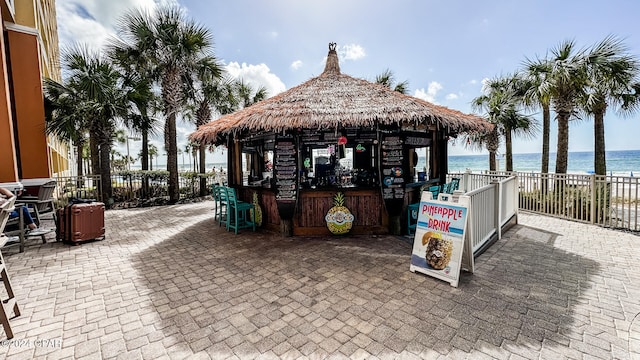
(466,180)
(498,199)
(592,180)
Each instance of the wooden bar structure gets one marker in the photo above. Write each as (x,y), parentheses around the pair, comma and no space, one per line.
(336,142)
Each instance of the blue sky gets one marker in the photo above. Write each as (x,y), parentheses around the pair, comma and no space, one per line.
(444,49)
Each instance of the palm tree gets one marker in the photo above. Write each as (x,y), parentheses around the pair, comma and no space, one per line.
(172,45)
(138,80)
(489,140)
(153,152)
(501,101)
(207,89)
(66,117)
(247,94)
(187,150)
(612,73)
(388,79)
(563,79)
(533,80)
(100,101)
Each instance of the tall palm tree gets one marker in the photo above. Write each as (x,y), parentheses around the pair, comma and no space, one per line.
(502,101)
(138,80)
(205,91)
(612,73)
(247,94)
(388,79)
(532,83)
(101,100)
(66,117)
(485,140)
(564,79)
(172,45)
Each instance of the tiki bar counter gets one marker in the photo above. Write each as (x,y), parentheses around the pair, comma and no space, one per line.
(336,154)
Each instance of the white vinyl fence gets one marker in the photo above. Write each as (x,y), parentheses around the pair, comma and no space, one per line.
(609,201)
(493,203)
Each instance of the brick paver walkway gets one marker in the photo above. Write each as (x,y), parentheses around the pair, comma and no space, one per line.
(169,283)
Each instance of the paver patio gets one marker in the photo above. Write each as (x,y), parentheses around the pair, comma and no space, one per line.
(169,283)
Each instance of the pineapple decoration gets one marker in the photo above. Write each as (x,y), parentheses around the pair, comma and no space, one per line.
(339,218)
(256,212)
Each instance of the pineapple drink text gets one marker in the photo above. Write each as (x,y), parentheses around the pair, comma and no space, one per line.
(445,213)
(433,210)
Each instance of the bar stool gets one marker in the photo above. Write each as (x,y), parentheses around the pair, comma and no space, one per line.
(220,202)
(238,213)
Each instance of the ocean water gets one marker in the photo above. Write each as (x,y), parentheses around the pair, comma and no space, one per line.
(621,163)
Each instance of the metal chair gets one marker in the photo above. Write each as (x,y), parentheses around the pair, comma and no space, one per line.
(17,231)
(43,203)
(239,213)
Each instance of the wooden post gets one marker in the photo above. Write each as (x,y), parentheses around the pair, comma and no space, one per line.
(237,163)
(395,225)
(286,227)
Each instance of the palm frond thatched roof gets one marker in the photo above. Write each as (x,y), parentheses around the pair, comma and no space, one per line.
(333,100)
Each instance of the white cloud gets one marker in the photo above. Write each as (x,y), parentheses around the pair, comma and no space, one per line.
(451,96)
(296,64)
(273,34)
(430,93)
(92,22)
(484,89)
(351,52)
(257,76)
(473,82)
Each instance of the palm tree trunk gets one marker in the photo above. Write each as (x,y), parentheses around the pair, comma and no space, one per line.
(145,163)
(203,179)
(172,158)
(492,160)
(599,146)
(508,142)
(546,129)
(105,173)
(563,143)
(95,154)
(79,182)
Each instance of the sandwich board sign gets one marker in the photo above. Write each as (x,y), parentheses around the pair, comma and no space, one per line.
(440,238)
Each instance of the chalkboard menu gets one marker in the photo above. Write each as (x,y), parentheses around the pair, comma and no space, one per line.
(286,175)
(392,171)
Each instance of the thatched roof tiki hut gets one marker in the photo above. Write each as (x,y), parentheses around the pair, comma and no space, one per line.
(336,134)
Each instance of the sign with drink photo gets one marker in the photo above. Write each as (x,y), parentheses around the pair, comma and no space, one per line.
(439,239)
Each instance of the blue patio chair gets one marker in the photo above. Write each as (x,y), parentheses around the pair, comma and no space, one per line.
(220,202)
(238,213)
(412,217)
(455,185)
(435,191)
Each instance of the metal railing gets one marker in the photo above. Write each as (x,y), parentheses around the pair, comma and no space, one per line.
(132,186)
(85,187)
